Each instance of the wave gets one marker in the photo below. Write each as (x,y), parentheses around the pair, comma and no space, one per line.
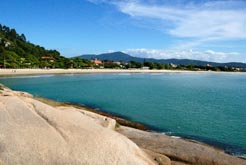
(31,76)
(228,148)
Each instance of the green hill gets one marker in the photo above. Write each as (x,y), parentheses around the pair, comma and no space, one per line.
(17,52)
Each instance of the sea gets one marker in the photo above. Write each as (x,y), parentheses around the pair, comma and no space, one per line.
(207,107)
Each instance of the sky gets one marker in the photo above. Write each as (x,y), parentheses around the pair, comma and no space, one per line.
(211,30)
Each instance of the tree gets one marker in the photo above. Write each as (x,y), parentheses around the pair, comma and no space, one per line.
(190,67)
(12,34)
(134,64)
(151,65)
(1,49)
(167,66)
(160,66)
(23,37)
(5,29)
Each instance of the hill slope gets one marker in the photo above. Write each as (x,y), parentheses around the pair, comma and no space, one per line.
(17,52)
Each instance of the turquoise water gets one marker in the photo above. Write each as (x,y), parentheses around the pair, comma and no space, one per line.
(207,107)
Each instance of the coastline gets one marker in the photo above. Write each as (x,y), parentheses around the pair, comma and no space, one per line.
(16,72)
(158,146)
(121,121)
(33,132)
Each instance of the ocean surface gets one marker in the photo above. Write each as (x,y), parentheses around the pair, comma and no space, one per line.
(208,107)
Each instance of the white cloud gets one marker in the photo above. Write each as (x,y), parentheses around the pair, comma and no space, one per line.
(192,23)
(213,24)
(208,55)
(218,20)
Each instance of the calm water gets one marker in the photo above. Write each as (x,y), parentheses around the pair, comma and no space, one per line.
(206,107)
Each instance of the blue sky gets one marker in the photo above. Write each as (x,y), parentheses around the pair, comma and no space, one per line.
(196,29)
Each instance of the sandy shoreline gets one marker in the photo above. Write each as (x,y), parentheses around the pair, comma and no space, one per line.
(14,72)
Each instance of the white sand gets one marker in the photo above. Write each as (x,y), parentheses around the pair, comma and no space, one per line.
(77,71)
(14,72)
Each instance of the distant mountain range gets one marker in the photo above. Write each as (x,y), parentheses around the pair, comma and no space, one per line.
(120,56)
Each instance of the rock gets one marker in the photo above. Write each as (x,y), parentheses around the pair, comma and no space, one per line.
(159,158)
(99,119)
(32,132)
(180,151)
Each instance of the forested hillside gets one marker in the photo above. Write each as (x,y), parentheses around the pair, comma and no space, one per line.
(17,52)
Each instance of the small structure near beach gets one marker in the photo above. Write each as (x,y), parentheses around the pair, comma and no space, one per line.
(48,58)
(96,61)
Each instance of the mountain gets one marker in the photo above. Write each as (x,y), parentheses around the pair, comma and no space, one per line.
(120,56)
(115,56)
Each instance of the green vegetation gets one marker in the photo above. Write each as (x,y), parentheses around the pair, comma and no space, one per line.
(1,87)
(81,63)
(117,125)
(153,65)
(133,64)
(17,52)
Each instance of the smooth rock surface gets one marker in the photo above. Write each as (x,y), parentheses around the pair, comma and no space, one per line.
(32,132)
(180,151)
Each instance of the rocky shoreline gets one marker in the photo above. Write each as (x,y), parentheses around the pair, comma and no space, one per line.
(62,127)
(139,134)
(119,120)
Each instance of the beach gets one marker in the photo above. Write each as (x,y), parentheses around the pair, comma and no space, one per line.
(13,72)
(80,71)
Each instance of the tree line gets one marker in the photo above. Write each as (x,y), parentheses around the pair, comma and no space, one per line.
(159,66)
